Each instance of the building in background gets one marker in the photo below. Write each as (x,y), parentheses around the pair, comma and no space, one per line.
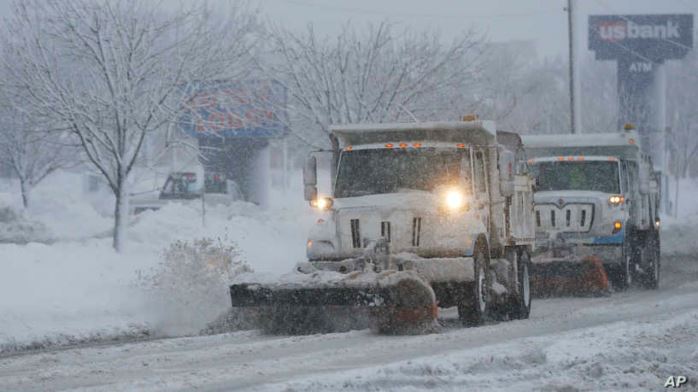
(234,123)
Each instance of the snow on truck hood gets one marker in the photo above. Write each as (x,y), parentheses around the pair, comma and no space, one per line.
(412,199)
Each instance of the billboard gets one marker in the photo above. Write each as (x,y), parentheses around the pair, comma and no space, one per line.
(235,109)
(651,37)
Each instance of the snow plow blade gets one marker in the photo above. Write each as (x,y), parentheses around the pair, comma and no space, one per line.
(569,278)
(403,303)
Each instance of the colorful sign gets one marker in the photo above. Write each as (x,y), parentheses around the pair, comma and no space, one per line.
(235,109)
(650,37)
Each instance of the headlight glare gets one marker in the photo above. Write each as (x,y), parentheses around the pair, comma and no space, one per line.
(454,200)
(322,203)
(616,200)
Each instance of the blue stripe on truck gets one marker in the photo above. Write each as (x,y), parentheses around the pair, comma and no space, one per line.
(615,239)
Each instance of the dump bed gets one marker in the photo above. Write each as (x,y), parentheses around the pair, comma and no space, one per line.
(469,132)
(622,145)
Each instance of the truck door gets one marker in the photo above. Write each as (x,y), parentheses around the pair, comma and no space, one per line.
(481,187)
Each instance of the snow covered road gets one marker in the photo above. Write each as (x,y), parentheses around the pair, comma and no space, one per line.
(629,341)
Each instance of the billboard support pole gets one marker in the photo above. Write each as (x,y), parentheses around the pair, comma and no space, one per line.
(570,27)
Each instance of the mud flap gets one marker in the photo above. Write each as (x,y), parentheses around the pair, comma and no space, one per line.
(565,278)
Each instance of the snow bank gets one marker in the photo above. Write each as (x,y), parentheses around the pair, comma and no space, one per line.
(678,237)
(60,204)
(15,227)
(678,234)
(78,288)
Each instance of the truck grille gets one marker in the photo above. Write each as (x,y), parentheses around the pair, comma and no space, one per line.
(416,230)
(355,233)
(574,217)
(385,230)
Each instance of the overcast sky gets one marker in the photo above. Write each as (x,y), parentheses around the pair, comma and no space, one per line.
(542,21)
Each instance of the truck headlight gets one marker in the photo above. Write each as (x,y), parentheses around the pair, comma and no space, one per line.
(616,200)
(454,200)
(322,203)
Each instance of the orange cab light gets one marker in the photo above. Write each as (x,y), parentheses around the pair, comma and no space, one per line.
(389,145)
(570,158)
(560,158)
(403,145)
(460,145)
(348,148)
(580,158)
(416,145)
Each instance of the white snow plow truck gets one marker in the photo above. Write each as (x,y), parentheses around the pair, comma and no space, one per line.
(596,213)
(422,215)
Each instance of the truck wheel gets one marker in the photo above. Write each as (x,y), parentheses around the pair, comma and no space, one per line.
(521,308)
(650,280)
(473,305)
(621,275)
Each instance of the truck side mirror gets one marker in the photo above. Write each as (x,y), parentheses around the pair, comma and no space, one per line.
(310,178)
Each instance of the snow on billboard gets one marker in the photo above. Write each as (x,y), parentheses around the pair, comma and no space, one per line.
(235,109)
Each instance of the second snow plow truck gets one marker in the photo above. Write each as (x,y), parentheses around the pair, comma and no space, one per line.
(422,215)
(596,213)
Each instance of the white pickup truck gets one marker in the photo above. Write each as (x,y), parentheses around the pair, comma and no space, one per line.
(185,186)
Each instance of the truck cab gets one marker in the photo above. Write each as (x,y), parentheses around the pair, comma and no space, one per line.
(451,201)
(594,198)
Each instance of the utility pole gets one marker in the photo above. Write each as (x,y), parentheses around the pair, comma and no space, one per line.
(570,29)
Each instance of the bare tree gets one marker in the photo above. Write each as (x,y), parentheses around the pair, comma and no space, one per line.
(519,91)
(30,150)
(115,71)
(375,75)
(682,135)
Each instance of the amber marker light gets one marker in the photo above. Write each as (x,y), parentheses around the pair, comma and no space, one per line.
(617,226)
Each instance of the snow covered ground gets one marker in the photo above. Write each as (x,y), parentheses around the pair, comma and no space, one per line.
(77,288)
(630,341)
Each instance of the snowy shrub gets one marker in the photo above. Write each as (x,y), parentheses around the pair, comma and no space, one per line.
(17,228)
(189,289)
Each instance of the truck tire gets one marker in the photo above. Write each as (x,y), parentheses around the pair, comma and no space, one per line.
(621,275)
(473,305)
(650,279)
(521,308)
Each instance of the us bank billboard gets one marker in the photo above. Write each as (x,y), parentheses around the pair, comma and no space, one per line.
(655,37)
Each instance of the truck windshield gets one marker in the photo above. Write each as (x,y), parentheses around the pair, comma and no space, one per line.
(600,176)
(368,172)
